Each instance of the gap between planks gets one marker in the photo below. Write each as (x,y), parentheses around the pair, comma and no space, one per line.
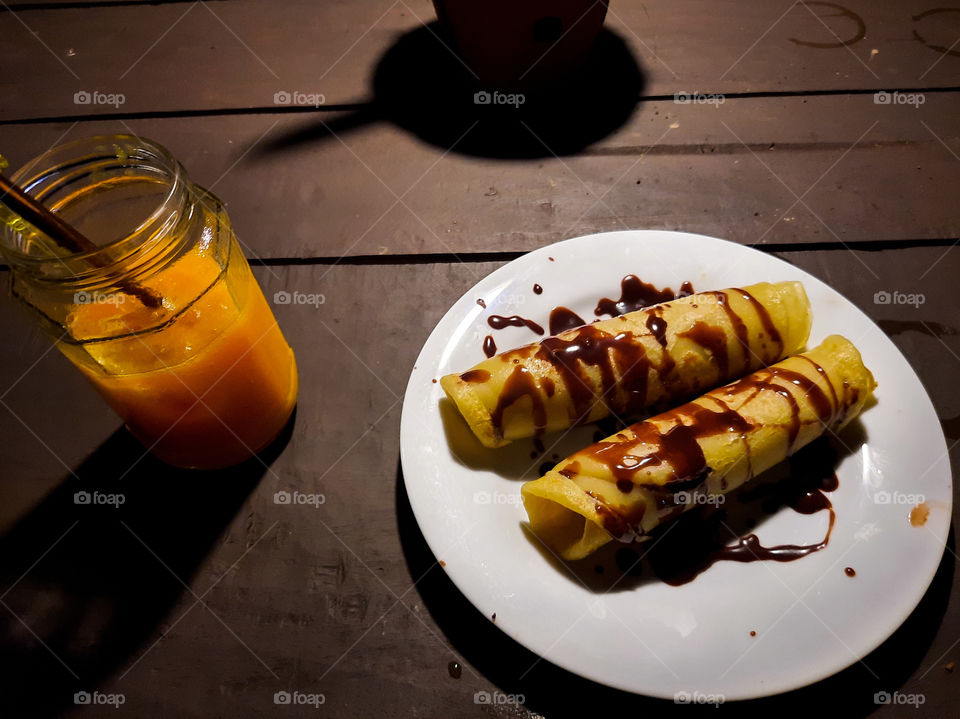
(476,257)
(355,106)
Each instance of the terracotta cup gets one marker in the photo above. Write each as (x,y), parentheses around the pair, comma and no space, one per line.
(522,44)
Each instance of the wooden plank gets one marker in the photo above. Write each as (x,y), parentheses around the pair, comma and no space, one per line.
(238,54)
(313,593)
(864,172)
(27,5)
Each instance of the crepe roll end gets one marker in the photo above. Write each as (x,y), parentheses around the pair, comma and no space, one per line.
(796,306)
(473,410)
(563,516)
(789,309)
(848,374)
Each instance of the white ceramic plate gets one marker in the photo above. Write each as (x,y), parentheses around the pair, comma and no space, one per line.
(810,619)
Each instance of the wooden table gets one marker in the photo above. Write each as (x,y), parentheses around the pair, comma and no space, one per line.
(201,597)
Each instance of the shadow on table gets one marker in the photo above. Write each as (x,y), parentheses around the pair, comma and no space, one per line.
(422,87)
(552,691)
(88,578)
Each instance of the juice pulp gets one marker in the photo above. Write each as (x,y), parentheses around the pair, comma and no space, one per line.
(210,386)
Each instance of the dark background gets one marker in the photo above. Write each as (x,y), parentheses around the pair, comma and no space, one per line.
(201,597)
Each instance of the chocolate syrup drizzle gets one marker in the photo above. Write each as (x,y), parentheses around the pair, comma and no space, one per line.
(677,447)
(702,537)
(645,445)
(619,361)
(635,294)
(824,408)
(499,322)
(714,340)
(520,383)
(622,363)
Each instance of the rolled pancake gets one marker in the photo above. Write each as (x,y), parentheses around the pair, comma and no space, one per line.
(627,484)
(660,355)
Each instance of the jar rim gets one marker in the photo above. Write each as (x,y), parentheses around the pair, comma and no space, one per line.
(74,155)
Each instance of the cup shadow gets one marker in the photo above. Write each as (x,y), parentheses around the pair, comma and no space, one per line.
(421,86)
(515,670)
(91,572)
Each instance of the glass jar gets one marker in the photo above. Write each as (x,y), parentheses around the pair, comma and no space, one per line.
(164,317)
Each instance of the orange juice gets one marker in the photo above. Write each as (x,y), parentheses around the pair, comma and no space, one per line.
(208,388)
(163,314)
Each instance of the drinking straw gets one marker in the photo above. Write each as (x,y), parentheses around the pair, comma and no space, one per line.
(64,234)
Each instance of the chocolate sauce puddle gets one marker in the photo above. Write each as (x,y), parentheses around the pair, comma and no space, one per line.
(563,319)
(635,294)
